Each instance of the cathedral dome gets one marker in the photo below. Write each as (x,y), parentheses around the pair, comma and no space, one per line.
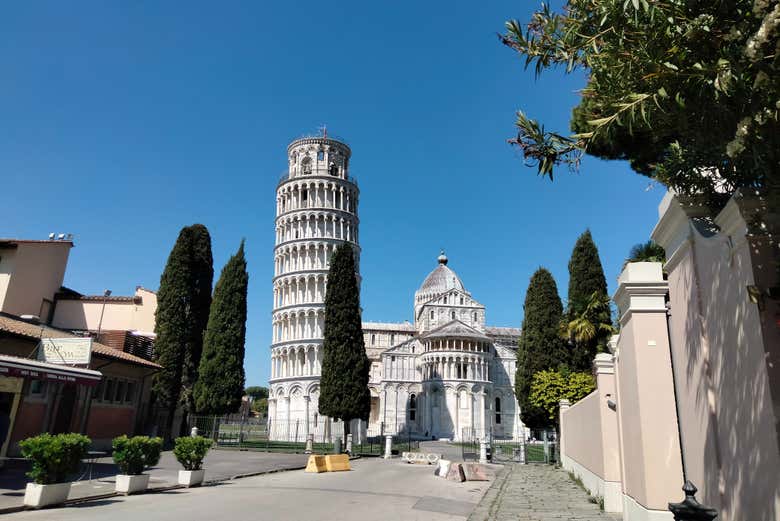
(440,280)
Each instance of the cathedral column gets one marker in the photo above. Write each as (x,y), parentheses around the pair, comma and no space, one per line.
(306,415)
(482,412)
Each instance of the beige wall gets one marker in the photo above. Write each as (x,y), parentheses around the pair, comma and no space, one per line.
(31,272)
(581,434)
(124,316)
(727,414)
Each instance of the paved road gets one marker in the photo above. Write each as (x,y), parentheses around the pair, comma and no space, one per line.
(537,492)
(219,465)
(375,490)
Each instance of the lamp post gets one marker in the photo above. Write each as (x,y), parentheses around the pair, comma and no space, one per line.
(106,294)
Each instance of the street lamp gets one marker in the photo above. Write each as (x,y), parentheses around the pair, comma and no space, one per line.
(106,294)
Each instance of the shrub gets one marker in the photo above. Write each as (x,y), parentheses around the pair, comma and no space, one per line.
(133,455)
(190,451)
(54,457)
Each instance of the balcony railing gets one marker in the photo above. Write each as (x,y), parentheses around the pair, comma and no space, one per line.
(286,177)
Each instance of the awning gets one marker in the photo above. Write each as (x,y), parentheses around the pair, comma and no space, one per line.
(35,370)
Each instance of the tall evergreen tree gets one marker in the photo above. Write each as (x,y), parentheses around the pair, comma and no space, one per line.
(344,390)
(540,346)
(185,288)
(220,383)
(201,279)
(586,284)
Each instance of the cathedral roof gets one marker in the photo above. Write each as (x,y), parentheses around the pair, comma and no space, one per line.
(441,279)
(456,329)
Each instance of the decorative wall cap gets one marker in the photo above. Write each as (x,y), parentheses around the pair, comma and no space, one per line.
(604,363)
(564,404)
(613,343)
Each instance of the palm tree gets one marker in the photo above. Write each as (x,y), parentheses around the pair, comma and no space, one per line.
(647,252)
(595,321)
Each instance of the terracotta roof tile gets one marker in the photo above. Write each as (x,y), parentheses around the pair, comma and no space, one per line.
(35,331)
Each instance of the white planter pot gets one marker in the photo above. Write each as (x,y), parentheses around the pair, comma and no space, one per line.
(38,496)
(191,478)
(126,484)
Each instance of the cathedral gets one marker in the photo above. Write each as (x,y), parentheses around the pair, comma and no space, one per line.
(445,376)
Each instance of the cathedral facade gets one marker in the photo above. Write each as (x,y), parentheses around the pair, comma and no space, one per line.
(444,376)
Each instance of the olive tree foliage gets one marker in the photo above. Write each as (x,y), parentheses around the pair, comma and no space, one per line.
(548,388)
(688,91)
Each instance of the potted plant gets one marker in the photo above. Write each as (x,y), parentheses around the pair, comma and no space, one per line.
(190,451)
(133,456)
(53,459)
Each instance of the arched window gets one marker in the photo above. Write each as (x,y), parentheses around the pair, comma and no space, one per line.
(432,315)
(373,339)
(321,155)
(461,301)
(306,165)
(475,316)
(412,407)
(498,410)
(445,299)
(304,194)
(452,315)
(392,339)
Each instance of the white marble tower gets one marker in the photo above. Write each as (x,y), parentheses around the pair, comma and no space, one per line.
(316,210)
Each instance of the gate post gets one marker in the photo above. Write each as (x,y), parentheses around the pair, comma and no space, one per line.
(483,450)
(388,446)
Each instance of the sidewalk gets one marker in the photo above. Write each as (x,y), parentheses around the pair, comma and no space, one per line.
(537,493)
(219,464)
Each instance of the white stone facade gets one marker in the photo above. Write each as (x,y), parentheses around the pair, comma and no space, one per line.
(316,210)
(445,375)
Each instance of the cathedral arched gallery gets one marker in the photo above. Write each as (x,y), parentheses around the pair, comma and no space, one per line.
(444,375)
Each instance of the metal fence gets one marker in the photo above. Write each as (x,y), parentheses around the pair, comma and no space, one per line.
(540,447)
(291,435)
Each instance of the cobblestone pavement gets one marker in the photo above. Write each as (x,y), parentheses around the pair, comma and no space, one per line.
(536,493)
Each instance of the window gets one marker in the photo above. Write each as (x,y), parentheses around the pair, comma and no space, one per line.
(373,339)
(461,301)
(498,410)
(306,165)
(392,359)
(121,389)
(392,339)
(321,155)
(445,299)
(130,395)
(108,391)
(334,169)
(432,315)
(452,315)
(412,407)
(304,194)
(37,387)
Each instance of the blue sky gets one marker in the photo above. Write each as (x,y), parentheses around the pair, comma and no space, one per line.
(124,121)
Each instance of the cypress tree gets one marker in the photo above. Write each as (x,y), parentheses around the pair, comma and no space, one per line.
(586,278)
(344,390)
(201,278)
(179,319)
(540,346)
(220,384)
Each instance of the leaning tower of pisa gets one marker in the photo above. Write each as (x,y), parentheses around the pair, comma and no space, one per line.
(316,210)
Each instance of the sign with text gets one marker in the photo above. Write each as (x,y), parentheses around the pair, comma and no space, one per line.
(65,351)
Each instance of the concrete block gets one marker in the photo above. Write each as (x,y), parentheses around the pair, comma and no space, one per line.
(475,472)
(337,462)
(442,468)
(316,464)
(455,473)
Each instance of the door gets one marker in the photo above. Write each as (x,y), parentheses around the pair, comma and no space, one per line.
(64,413)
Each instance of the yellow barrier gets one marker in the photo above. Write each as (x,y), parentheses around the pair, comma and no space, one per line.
(316,464)
(337,462)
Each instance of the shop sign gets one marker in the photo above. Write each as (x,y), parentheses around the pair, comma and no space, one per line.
(65,351)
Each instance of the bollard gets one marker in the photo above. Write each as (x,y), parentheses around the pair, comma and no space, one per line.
(337,445)
(388,446)
(349,443)
(483,451)
(194,432)
(690,509)
(309,444)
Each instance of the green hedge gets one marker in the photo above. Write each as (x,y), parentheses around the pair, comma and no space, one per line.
(54,458)
(133,455)
(190,451)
